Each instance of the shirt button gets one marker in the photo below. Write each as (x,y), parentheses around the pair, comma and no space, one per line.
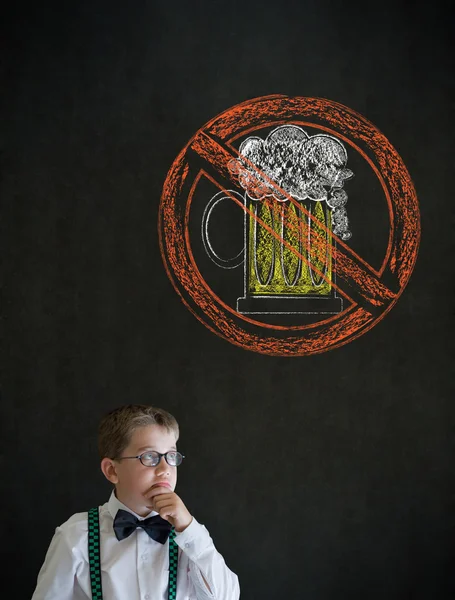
(144,557)
(146,597)
(187,545)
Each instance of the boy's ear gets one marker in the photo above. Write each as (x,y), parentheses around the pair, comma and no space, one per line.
(109,470)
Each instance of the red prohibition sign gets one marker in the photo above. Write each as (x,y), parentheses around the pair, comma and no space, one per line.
(370,293)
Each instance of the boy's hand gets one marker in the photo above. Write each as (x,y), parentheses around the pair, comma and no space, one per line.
(170,507)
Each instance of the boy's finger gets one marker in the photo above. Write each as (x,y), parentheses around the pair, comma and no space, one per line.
(165,510)
(163,504)
(157,491)
(153,500)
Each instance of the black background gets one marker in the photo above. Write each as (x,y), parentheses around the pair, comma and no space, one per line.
(322,477)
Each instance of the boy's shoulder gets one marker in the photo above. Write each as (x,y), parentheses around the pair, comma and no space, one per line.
(77,525)
(76,521)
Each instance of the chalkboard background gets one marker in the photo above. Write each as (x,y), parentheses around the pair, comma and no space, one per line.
(321,477)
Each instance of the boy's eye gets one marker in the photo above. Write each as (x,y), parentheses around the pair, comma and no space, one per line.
(148,456)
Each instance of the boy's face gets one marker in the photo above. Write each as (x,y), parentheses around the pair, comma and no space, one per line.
(132,479)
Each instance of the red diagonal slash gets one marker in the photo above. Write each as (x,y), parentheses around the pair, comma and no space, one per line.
(355,274)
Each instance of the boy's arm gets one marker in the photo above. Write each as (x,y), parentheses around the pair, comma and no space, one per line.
(56,577)
(211,578)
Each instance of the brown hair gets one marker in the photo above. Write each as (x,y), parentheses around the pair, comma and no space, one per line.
(117,427)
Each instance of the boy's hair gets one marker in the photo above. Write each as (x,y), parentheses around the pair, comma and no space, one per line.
(117,427)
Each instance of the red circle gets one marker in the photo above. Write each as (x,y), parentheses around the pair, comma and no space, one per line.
(372,287)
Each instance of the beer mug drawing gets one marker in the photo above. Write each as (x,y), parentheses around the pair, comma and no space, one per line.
(288,247)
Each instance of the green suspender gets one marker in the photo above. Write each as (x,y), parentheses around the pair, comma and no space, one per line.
(173,561)
(94,553)
(94,558)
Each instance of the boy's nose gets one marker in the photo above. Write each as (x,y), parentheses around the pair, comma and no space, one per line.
(162,465)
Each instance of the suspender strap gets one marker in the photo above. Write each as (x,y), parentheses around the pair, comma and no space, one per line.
(94,558)
(173,562)
(94,553)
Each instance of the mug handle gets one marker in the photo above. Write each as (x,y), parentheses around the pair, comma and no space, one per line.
(230,263)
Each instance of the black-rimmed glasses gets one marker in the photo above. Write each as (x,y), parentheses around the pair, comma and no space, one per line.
(152,458)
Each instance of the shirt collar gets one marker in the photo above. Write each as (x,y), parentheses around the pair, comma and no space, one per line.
(114,505)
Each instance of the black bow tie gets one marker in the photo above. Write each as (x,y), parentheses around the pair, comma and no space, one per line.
(156,527)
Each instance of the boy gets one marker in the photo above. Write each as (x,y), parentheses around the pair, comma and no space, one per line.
(138,447)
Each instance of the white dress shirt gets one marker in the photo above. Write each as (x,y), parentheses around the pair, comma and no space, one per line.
(136,568)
